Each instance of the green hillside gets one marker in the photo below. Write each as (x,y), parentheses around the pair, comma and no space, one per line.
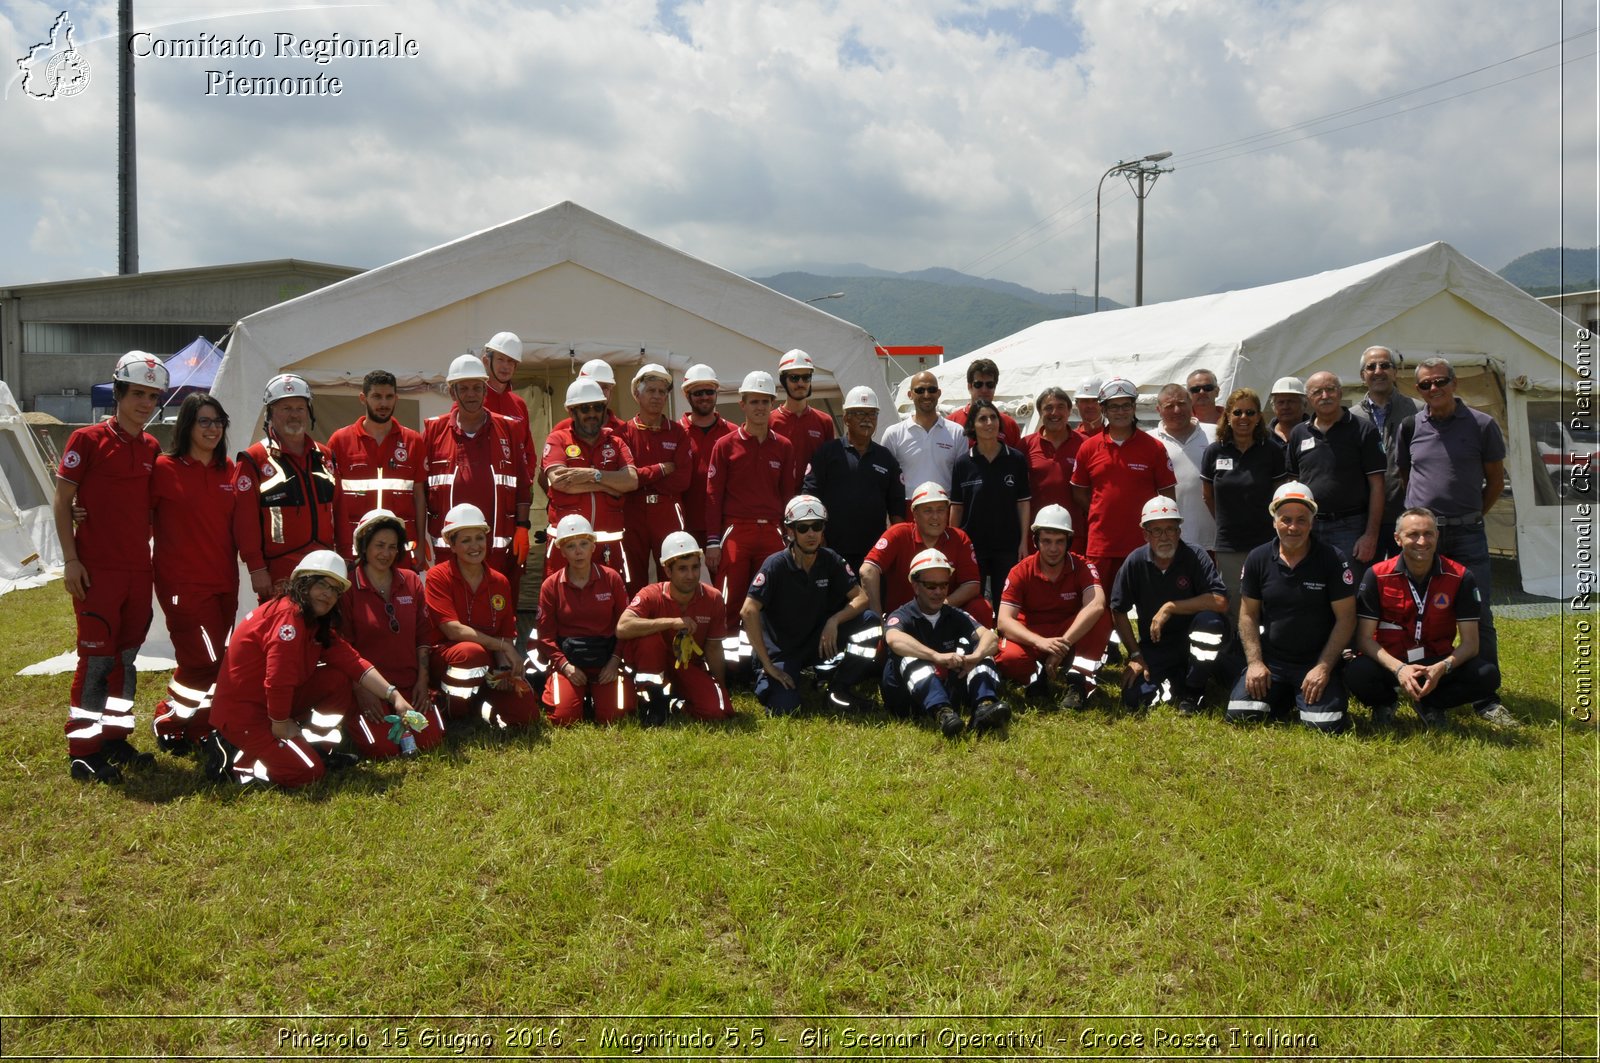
(1554,269)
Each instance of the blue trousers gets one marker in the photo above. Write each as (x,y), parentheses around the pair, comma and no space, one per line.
(1328,713)
(1469,545)
(855,661)
(1182,670)
(910,684)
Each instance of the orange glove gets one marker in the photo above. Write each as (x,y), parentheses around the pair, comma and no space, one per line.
(520,544)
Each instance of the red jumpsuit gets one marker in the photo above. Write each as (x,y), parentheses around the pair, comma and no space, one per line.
(701,440)
(805,431)
(656,670)
(271,672)
(748,482)
(609,452)
(1050,479)
(112,471)
(655,510)
(197,583)
(892,555)
(293,514)
(509,404)
(567,611)
(374,475)
(388,633)
(461,670)
(1047,608)
(488,469)
(1121,478)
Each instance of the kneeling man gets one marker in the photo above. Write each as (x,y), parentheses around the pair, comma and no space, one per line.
(668,625)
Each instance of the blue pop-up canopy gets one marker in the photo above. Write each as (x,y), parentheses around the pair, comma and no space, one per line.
(191,369)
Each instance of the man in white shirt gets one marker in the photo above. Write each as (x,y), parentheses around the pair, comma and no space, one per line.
(1186,440)
(926,445)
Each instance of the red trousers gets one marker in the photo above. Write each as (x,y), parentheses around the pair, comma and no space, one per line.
(745,545)
(655,671)
(199,622)
(372,738)
(641,539)
(460,672)
(563,701)
(112,620)
(1018,663)
(324,701)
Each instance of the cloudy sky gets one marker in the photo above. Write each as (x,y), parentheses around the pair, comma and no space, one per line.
(1306,135)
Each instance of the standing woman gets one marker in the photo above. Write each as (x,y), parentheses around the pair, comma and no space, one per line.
(196,566)
(385,618)
(475,660)
(990,499)
(1238,474)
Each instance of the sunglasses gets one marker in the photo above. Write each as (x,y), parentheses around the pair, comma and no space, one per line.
(394,621)
(925,391)
(807,527)
(1201,389)
(1247,413)
(1373,367)
(590,407)
(798,378)
(702,393)
(942,585)
(984,385)
(1429,385)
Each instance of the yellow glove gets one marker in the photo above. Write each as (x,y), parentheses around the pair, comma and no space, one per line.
(685,648)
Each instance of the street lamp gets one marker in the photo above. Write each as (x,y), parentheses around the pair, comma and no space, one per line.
(818,299)
(1140,169)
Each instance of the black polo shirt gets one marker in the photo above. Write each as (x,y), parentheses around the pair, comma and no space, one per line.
(953,629)
(1141,585)
(1335,464)
(989,492)
(1242,483)
(864,493)
(1296,603)
(795,603)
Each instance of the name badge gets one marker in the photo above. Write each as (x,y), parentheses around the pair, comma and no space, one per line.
(1224,464)
(1307,444)
(1414,654)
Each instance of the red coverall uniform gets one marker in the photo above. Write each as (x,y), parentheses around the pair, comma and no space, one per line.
(805,431)
(657,671)
(1121,478)
(461,669)
(1048,608)
(270,673)
(389,633)
(1050,478)
(197,583)
(293,514)
(748,482)
(488,469)
(893,553)
(374,475)
(112,471)
(694,499)
(655,510)
(604,511)
(509,404)
(591,611)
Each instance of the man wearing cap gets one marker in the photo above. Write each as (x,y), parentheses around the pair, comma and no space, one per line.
(1202,388)
(1052,454)
(1053,615)
(501,357)
(381,466)
(806,608)
(704,426)
(1385,407)
(1340,457)
(1417,630)
(1181,602)
(291,477)
(673,633)
(477,458)
(857,480)
(1118,469)
(106,470)
(1296,617)
(1186,440)
(886,572)
(795,419)
(748,482)
(663,457)
(983,377)
(579,606)
(590,470)
(939,656)
(926,445)
(1452,458)
(1090,420)
(1288,398)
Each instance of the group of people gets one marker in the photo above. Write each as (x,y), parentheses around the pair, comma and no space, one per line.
(935,560)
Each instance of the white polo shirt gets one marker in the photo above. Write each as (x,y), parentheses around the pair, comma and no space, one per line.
(926,453)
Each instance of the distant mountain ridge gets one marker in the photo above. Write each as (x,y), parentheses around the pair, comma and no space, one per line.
(1552,270)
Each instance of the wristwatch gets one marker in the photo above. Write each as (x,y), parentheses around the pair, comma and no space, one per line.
(597,476)
(388,695)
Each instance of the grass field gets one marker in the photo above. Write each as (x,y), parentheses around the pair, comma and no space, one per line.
(1093,884)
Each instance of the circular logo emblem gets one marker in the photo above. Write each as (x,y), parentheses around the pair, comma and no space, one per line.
(759,581)
(72,459)
(498,601)
(573,450)
(67,74)
(883,544)
(1348,578)
(245,483)
(286,633)
(400,452)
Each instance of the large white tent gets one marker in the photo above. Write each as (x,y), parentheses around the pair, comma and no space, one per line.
(1511,353)
(30,553)
(572,284)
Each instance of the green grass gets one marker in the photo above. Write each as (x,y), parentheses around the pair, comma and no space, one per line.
(1384,888)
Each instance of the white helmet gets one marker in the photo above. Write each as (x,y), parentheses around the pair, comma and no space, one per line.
(598,370)
(758,383)
(1287,385)
(700,373)
(380,518)
(928,560)
(803,508)
(678,544)
(795,361)
(327,564)
(506,343)
(1118,387)
(931,491)
(862,398)
(583,390)
(1054,518)
(1090,388)
(286,386)
(1292,491)
(146,370)
(1159,508)
(573,526)
(462,515)
(651,370)
(466,367)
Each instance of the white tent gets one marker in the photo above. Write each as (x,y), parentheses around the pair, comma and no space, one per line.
(30,554)
(571,284)
(1511,353)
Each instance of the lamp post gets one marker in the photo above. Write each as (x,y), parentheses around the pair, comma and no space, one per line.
(1140,168)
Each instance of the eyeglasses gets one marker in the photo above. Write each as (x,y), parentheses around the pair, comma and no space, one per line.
(925,390)
(590,407)
(394,621)
(210,422)
(1429,385)
(807,527)
(797,378)
(702,393)
(1201,389)
(941,585)
(984,385)
(1116,407)
(1246,413)
(1373,367)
